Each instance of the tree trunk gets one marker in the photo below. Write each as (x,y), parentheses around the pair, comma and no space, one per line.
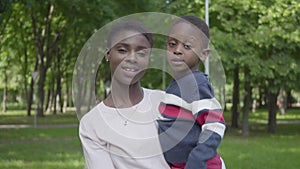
(224,95)
(42,36)
(30,97)
(247,102)
(4,106)
(260,97)
(49,99)
(289,99)
(54,103)
(41,93)
(272,98)
(31,91)
(235,98)
(24,74)
(282,101)
(58,82)
(66,97)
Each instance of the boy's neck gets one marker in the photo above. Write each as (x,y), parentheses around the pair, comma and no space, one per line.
(178,75)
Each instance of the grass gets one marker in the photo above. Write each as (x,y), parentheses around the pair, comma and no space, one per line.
(262,150)
(53,148)
(60,148)
(261,115)
(20,117)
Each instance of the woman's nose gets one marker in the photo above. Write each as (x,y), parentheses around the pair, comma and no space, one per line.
(131,56)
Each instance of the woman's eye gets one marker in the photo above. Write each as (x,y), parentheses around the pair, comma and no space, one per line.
(142,53)
(122,51)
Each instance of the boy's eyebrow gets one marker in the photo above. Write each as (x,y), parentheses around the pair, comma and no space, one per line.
(180,37)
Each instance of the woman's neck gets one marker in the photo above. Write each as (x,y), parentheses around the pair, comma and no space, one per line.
(124,96)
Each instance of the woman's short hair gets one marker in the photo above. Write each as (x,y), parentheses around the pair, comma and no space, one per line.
(129,25)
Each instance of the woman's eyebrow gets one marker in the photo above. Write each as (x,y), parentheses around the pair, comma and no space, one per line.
(139,47)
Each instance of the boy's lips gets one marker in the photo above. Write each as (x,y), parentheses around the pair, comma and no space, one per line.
(177,61)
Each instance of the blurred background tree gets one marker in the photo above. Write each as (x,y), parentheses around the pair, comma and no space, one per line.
(258,42)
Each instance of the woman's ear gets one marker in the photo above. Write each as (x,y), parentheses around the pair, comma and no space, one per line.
(107,56)
(204,54)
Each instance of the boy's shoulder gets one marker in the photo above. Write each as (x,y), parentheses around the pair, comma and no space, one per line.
(200,77)
(193,76)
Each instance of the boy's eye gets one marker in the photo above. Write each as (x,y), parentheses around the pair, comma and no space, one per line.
(187,46)
(171,43)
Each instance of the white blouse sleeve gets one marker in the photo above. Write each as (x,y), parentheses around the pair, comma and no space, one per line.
(95,153)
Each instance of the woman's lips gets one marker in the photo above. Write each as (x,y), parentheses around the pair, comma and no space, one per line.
(130,71)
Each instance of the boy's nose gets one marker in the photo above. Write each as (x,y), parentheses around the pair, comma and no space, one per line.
(177,50)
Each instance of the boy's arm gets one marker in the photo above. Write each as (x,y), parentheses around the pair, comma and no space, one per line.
(209,139)
(209,115)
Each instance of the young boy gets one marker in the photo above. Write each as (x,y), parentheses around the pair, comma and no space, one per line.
(191,126)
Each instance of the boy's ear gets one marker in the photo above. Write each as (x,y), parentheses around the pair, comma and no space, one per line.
(204,54)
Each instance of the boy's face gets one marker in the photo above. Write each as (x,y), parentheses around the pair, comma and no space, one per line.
(185,48)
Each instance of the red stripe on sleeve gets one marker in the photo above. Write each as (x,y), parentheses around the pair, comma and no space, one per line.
(174,111)
(214,163)
(177,165)
(211,116)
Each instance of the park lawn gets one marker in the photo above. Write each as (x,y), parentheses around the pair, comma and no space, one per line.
(20,117)
(60,148)
(261,116)
(262,150)
(52,148)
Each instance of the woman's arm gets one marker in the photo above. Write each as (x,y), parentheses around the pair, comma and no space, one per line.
(95,150)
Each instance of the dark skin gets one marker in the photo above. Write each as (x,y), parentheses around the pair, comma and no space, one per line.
(184,49)
(128,60)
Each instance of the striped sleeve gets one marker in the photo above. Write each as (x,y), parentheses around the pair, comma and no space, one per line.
(209,115)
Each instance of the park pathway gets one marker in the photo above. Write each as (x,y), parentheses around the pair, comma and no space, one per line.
(12,126)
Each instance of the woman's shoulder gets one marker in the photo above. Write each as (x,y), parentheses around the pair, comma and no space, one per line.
(92,114)
(153,92)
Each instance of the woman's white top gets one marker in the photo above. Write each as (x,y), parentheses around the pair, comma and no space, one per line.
(123,138)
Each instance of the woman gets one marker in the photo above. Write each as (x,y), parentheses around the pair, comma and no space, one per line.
(120,132)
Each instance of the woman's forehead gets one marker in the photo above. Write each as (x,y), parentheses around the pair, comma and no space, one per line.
(130,37)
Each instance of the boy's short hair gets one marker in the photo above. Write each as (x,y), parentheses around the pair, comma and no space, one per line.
(199,23)
(129,25)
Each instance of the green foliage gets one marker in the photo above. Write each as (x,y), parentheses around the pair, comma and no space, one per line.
(262,35)
(185,7)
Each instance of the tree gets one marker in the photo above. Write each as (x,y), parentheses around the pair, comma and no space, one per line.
(278,25)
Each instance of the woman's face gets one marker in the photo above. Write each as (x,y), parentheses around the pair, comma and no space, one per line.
(128,57)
